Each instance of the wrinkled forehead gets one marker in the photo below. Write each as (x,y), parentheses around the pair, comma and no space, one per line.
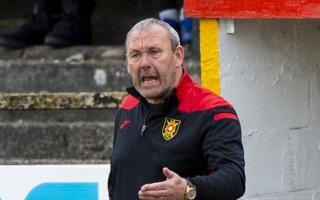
(152,36)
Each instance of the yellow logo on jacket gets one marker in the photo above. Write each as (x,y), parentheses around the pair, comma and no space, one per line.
(170,128)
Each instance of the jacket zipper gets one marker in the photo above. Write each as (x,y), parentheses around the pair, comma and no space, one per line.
(144,126)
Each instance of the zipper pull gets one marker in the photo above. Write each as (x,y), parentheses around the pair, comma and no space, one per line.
(144,126)
(143,129)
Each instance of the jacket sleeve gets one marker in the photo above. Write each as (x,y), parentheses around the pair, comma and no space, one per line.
(116,125)
(223,150)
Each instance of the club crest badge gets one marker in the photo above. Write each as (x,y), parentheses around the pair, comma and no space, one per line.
(170,128)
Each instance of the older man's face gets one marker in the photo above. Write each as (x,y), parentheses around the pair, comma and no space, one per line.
(152,63)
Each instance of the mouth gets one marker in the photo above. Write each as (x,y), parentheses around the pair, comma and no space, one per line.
(149,80)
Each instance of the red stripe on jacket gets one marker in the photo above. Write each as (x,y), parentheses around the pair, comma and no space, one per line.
(129,102)
(220,116)
(193,97)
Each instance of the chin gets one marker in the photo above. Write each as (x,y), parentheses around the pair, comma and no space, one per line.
(151,93)
(150,96)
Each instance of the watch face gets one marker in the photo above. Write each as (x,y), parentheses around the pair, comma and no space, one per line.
(192,193)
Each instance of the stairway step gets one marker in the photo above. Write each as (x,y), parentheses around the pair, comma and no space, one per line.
(84,100)
(56,116)
(76,69)
(56,136)
(56,140)
(29,76)
(77,54)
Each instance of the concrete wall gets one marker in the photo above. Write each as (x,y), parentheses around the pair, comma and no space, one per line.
(270,72)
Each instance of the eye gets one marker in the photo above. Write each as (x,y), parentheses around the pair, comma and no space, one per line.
(134,56)
(154,52)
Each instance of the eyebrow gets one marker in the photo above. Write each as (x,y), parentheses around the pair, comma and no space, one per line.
(149,48)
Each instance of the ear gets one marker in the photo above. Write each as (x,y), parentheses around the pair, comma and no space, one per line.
(128,68)
(179,56)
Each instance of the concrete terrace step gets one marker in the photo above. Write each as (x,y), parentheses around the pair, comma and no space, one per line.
(56,136)
(24,140)
(51,128)
(46,53)
(63,77)
(75,69)
(54,101)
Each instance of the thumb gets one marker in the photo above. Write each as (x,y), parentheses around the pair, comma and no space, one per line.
(168,173)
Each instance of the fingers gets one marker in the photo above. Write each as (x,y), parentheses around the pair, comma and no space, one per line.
(168,173)
(172,188)
(149,198)
(153,198)
(152,194)
(154,186)
(153,191)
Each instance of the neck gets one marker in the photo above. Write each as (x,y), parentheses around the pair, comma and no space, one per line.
(178,75)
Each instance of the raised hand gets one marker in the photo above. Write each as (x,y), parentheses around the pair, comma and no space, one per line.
(171,189)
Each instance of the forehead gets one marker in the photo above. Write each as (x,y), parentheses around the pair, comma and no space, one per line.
(144,38)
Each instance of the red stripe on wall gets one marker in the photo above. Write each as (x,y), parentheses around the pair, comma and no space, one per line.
(252,9)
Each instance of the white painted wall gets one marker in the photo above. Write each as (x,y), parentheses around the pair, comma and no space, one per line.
(270,72)
(17,182)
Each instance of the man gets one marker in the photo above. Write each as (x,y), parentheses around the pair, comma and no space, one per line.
(173,139)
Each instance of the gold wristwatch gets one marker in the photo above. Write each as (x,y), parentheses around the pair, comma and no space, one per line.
(191,192)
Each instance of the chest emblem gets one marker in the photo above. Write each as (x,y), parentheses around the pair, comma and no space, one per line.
(170,128)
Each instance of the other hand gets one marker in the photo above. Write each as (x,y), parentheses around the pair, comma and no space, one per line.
(171,189)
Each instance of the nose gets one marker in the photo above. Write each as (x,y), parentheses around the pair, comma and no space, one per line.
(144,62)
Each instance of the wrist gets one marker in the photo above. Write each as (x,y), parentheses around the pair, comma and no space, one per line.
(190,192)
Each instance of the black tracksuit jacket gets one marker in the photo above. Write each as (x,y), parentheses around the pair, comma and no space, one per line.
(195,133)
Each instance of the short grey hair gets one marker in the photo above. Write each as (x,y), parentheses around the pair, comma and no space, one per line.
(146,24)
